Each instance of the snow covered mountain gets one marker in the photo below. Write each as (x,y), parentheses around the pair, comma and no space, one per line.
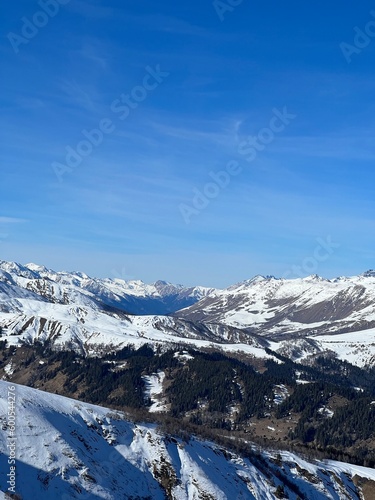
(67,449)
(298,318)
(133,297)
(306,306)
(264,306)
(91,331)
(35,310)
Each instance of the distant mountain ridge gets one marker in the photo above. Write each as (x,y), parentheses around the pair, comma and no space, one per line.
(132,297)
(276,307)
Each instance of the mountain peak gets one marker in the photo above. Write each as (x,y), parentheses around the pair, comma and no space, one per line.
(18,269)
(369,274)
(161,283)
(256,279)
(314,277)
(165,288)
(36,267)
(250,282)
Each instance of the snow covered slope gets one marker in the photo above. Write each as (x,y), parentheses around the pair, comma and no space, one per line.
(67,449)
(88,329)
(275,307)
(358,348)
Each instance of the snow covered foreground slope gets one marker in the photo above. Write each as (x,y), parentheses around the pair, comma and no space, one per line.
(67,449)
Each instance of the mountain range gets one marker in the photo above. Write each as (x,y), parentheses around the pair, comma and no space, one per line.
(275,307)
(134,297)
(296,317)
(189,378)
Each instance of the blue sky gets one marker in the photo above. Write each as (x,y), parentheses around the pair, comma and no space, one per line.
(120,211)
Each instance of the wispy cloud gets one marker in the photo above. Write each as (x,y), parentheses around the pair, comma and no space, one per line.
(91,53)
(78,95)
(11,220)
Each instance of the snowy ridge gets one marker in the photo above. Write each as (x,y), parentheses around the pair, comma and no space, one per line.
(92,331)
(273,307)
(134,297)
(67,449)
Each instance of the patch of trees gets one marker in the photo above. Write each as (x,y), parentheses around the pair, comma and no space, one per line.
(351,422)
(206,378)
(326,369)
